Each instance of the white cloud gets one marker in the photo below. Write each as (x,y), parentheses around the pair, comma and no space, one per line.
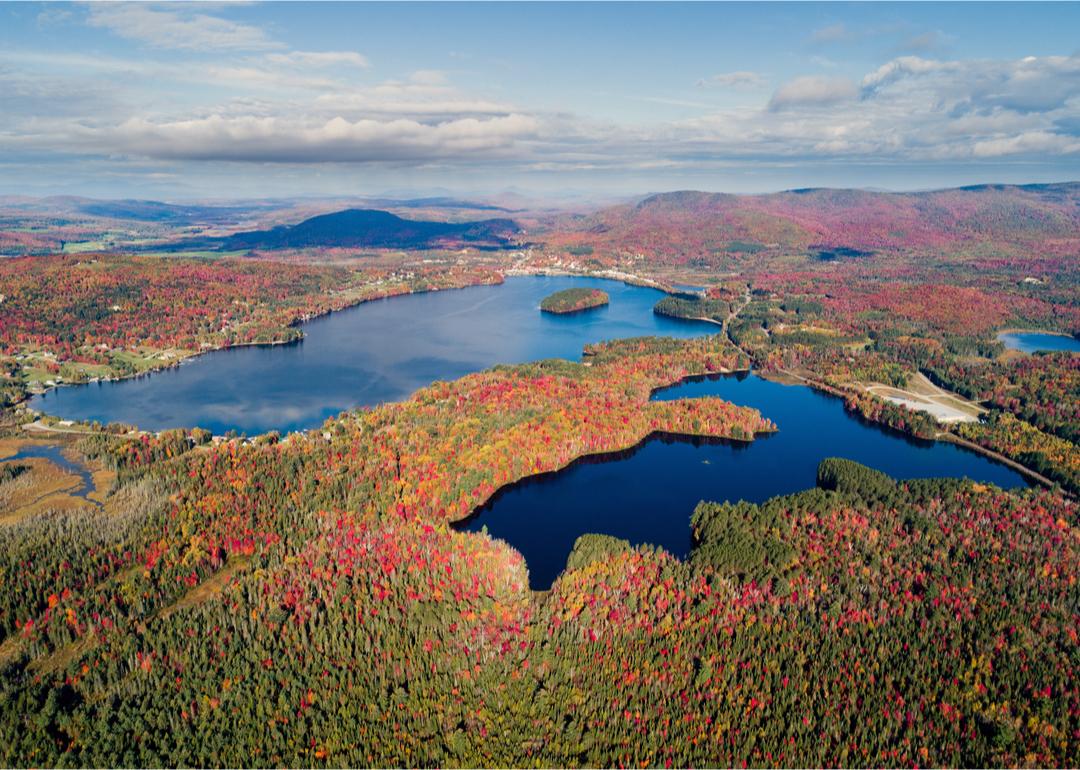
(909,109)
(259,78)
(177,26)
(428,77)
(287,140)
(53,15)
(902,67)
(372,101)
(1029,142)
(812,90)
(823,61)
(35,95)
(739,79)
(320,107)
(931,40)
(1031,84)
(424,93)
(319,59)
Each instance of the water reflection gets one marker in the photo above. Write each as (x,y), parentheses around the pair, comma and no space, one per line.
(646,495)
(1034,342)
(376,352)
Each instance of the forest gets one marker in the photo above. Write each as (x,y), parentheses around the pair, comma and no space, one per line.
(574,300)
(717,232)
(693,307)
(842,334)
(366,228)
(305,599)
(304,603)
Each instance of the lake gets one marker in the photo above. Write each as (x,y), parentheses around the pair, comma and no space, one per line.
(646,495)
(372,353)
(1035,342)
(384,350)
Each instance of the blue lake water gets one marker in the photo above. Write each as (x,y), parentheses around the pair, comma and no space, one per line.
(375,352)
(647,495)
(385,350)
(1034,342)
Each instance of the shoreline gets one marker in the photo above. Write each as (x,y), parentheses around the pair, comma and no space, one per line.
(1001,332)
(952,438)
(629,279)
(779,376)
(690,318)
(611,455)
(575,310)
(618,453)
(295,323)
(625,278)
(789,378)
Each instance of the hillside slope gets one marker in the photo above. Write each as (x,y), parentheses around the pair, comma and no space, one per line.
(979,220)
(372,228)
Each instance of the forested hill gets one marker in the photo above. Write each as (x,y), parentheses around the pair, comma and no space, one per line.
(372,228)
(676,226)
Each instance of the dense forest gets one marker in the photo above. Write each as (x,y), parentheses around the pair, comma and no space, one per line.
(574,300)
(693,307)
(306,599)
(831,226)
(253,605)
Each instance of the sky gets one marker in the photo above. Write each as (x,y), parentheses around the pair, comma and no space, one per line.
(182,101)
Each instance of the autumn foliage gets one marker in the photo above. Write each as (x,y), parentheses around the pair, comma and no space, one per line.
(573,300)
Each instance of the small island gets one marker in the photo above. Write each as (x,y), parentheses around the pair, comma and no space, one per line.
(573,300)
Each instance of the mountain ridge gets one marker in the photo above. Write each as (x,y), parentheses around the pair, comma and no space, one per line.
(690,224)
(373,228)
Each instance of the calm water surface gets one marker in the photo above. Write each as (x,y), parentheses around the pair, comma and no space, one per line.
(375,352)
(647,495)
(385,350)
(1034,342)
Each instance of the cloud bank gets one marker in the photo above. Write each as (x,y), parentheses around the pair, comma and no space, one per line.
(231,92)
(285,140)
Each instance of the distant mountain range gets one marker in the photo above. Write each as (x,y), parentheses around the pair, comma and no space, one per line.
(139,210)
(133,209)
(441,202)
(677,227)
(371,228)
(838,224)
(155,211)
(43,225)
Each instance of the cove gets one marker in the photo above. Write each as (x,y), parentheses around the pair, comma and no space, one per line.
(647,494)
(54,454)
(368,354)
(1035,342)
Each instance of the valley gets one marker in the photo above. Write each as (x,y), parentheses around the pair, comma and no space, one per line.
(539,385)
(494,508)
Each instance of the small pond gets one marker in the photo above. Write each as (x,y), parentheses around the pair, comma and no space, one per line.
(1036,342)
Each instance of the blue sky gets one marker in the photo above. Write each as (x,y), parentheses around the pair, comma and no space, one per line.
(227,100)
